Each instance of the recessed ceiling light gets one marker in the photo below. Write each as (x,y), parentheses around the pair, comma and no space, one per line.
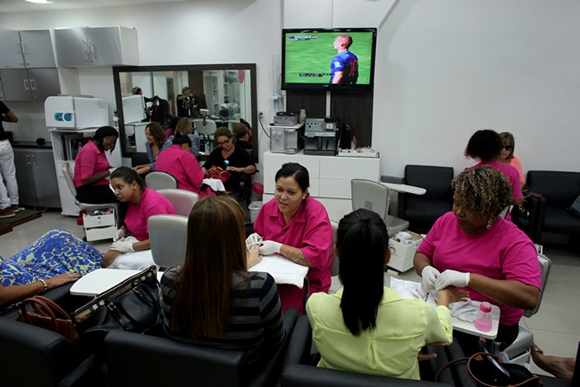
(40,1)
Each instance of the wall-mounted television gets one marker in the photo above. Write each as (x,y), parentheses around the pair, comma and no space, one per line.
(328,59)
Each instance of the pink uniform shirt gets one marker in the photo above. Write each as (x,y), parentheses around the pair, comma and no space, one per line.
(184,167)
(90,161)
(152,203)
(311,232)
(502,252)
(510,172)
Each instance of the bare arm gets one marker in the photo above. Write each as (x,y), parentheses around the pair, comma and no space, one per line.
(337,77)
(295,255)
(420,261)
(512,293)
(9,117)
(143,245)
(10,294)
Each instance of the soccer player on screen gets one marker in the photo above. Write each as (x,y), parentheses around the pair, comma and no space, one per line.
(344,65)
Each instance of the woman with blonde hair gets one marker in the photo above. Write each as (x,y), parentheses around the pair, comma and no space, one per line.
(184,127)
(213,298)
(508,146)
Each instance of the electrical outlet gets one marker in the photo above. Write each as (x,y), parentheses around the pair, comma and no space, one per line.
(261,113)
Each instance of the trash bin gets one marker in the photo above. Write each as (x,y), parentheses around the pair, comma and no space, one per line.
(254,208)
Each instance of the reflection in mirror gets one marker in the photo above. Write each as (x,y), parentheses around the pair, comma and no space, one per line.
(221,93)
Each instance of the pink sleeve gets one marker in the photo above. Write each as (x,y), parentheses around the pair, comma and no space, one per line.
(87,163)
(194,172)
(317,241)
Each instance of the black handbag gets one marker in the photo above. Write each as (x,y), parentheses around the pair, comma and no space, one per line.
(132,305)
(487,371)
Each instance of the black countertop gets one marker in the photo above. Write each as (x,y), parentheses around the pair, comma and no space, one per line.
(30,144)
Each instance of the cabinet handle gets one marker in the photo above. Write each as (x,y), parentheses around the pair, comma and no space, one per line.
(26,84)
(33,159)
(87,51)
(27,159)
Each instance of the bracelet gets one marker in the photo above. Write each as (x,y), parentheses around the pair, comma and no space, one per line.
(45,285)
(243,169)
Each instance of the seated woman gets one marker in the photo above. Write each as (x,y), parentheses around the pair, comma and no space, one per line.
(156,143)
(239,162)
(474,248)
(242,134)
(507,154)
(138,203)
(56,258)
(212,299)
(184,127)
(297,227)
(92,167)
(366,327)
(180,163)
(486,145)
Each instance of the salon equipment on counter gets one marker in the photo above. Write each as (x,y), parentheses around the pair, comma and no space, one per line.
(320,136)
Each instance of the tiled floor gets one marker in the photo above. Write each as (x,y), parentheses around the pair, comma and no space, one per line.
(556,326)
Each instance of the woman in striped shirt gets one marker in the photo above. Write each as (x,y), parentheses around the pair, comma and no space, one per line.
(212,299)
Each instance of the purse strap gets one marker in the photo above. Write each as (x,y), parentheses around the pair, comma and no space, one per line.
(44,307)
(483,354)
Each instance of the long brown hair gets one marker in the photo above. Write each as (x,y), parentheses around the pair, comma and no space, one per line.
(157,133)
(216,249)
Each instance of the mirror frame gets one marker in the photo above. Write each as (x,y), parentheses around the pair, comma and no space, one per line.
(201,67)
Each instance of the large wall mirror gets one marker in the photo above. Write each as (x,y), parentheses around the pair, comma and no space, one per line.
(224,93)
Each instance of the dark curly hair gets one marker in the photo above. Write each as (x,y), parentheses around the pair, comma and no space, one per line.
(482,191)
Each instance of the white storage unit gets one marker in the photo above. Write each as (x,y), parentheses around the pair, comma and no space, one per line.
(100,224)
(330,177)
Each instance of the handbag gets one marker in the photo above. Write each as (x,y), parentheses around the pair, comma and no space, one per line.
(47,314)
(218,173)
(487,370)
(132,305)
(575,207)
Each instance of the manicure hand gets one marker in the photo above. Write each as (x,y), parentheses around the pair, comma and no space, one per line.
(451,277)
(429,276)
(270,247)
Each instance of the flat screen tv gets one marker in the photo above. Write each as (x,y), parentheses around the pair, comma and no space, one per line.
(328,59)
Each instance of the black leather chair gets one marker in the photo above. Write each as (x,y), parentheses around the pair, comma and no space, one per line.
(423,210)
(298,372)
(141,360)
(558,191)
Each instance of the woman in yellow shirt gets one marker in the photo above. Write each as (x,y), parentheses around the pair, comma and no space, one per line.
(366,327)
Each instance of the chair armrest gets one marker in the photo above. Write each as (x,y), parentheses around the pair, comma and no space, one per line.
(300,342)
(60,295)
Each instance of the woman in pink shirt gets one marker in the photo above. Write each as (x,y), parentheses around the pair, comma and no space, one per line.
(180,163)
(296,227)
(138,203)
(92,167)
(474,248)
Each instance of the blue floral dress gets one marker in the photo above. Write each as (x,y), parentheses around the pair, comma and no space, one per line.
(56,252)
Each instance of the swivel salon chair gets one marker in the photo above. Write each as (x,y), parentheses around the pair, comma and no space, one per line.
(168,237)
(158,180)
(376,197)
(182,200)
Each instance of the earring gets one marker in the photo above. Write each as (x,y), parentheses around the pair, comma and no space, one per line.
(489,222)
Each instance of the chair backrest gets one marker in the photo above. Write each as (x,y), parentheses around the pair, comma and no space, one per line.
(435,179)
(69,179)
(205,127)
(335,261)
(182,200)
(160,180)
(559,188)
(168,237)
(370,195)
(545,265)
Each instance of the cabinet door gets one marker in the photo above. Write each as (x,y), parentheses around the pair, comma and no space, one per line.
(45,178)
(43,83)
(11,50)
(104,46)
(16,84)
(25,177)
(37,48)
(71,47)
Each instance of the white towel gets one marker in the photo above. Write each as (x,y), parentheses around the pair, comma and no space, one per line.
(215,184)
(138,260)
(283,270)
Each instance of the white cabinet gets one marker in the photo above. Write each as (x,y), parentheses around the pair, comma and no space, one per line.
(330,177)
(61,150)
(103,46)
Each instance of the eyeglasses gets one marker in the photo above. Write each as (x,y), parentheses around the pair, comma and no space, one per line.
(223,142)
(508,147)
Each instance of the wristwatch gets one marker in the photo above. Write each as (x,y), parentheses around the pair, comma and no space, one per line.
(243,169)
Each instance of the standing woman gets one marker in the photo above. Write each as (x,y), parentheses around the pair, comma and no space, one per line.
(297,227)
(155,144)
(212,298)
(92,168)
(138,203)
(507,154)
(239,162)
(184,127)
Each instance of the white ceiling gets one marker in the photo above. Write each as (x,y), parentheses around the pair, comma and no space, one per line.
(24,6)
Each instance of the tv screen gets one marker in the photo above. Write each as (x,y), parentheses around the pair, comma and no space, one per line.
(328,59)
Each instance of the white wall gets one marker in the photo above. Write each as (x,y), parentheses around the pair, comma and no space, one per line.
(445,68)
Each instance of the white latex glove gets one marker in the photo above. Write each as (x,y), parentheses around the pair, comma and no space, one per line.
(270,247)
(451,277)
(119,235)
(429,276)
(253,239)
(123,246)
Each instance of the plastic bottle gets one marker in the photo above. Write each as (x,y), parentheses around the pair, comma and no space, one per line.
(483,318)
(227,163)
(353,144)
